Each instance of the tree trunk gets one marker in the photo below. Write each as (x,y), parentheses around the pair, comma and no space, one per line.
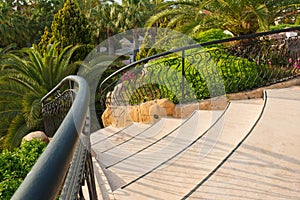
(135,43)
(111,47)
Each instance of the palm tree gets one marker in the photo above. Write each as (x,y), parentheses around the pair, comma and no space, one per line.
(176,14)
(238,16)
(3,51)
(104,18)
(27,75)
(134,15)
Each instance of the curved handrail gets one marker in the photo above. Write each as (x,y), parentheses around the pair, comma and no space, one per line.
(145,60)
(45,179)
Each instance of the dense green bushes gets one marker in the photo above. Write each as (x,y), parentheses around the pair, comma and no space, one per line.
(15,165)
(210,35)
(282,26)
(208,73)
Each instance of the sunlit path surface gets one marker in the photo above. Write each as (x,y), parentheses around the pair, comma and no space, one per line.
(248,151)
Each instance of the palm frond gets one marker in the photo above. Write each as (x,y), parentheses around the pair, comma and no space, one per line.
(16,131)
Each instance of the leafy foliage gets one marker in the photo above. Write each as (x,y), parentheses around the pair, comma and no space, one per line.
(71,27)
(22,22)
(210,35)
(45,40)
(16,164)
(238,16)
(207,71)
(28,75)
(152,91)
(282,26)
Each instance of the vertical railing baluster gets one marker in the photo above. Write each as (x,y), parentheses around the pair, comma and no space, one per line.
(182,76)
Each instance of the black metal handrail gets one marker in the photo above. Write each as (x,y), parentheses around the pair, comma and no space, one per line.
(145,60)
(242,63)
(66,163)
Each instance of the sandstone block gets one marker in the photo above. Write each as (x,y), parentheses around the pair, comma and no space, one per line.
(135,113)
(144,110)
(185,110)
(168,105)
(156,112)
(107,118)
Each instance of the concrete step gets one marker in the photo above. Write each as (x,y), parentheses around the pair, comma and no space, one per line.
(151,175)
(110,136)
(250,152)
(139,142)
(266,165)
(165,130)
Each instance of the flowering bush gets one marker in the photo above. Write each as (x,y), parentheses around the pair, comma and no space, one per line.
(295,63)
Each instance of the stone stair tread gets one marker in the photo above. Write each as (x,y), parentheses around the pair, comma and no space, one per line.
(292,93)
(142,140)
(177,176)
(178,134)
(267,164)
(114,134)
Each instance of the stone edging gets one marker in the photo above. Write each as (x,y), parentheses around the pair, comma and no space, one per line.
(152,111)
(258,93)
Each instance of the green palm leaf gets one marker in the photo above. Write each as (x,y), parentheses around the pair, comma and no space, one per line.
(27,75)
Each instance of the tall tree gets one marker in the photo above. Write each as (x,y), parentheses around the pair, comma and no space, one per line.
(22,21)
(27,75)
(134,15)
(86,6)
(70,26)
(104,18)
(238,16)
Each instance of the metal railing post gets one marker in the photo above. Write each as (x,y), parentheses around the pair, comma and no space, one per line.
(182,76)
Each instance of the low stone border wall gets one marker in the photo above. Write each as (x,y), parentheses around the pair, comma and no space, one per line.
(152,111)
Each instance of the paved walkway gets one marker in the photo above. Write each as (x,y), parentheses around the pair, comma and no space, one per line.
(249,151)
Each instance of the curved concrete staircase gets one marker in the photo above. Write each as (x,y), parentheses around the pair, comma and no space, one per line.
(248,151)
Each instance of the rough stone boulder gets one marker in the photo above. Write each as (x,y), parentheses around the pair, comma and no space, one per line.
(121,116)
(117,116)
(36,135)
(135,113)
(144,110)
(168,105)
(156,112)
(107,117)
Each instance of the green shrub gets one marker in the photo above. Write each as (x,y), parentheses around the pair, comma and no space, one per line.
(16,164)
(152,91)
(282,26)
(210,35)
(297,22)
(208,73)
